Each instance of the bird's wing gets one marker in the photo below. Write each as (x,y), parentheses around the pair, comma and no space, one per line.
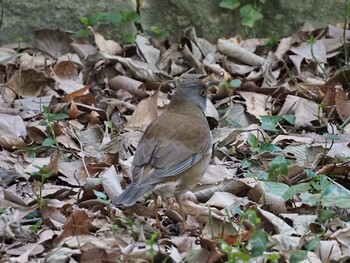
(170,150)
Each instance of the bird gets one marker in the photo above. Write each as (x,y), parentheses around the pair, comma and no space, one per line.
(175,150)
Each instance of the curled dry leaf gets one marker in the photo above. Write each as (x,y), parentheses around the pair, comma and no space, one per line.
(109,46)
(128,84)
(233,50)
(146,51)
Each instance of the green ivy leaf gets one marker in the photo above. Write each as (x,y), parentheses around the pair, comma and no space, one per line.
(58,116)
(297,256)
(258,242)
(312,244)
(276,188)
(329,136)
(278,166)
(289,118)
(310,199)
(296,189)
(325,215)
(99,194)
(245,164)
(230,4)
(249,15)
(253,140)
(235,83)
(269,123)
(48,142)
(269,147)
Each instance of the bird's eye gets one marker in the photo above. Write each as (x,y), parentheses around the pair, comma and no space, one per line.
(202,92)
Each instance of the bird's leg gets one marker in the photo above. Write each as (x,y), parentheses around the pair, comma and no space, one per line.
(155,203)
(183,215)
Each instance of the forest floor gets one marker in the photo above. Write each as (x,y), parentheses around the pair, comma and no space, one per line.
(277,190)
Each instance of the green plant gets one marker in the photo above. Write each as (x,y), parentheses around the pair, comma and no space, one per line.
(102,197)
(244,250)
(159,32)
(35,228)
(40,175)
(260,147)
(311,41)
(151,242)
(122,19)
(49,121)
(249,13)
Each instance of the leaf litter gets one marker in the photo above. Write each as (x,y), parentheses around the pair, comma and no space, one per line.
(73,111)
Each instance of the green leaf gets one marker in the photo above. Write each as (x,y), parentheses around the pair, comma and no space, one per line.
(235,83)
(128,38)
(312,244)
(269,147)
(273,258)
(278,166)
(48,142)
(311,174)
(249,15)
(329,136)
(310,199)
(252,216)
(58,116)
(84,20)
(253,140)
(258,242)
(262,175)
(99,194)
(230,4)
(245,164)
(325,215)
(296,189)
(269,123)
(289,118)
(132,17)
(297,256)
(276,188)
(340,201)
(311,40)
(100,17)
(35,228)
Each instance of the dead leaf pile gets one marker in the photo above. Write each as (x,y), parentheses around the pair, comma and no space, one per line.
(72,113)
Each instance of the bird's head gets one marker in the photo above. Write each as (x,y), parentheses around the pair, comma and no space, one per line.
(193,90)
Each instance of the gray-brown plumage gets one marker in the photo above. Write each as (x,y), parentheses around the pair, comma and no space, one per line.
(175,149)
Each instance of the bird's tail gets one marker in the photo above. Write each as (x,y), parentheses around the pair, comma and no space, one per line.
(131,194)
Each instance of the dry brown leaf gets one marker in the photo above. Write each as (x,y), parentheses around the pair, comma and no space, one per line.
(304,110)
(26,83)
(342,105)
(144,114)
(78,223)
(66,70)
(227,47)
(12,129)
(54,42)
